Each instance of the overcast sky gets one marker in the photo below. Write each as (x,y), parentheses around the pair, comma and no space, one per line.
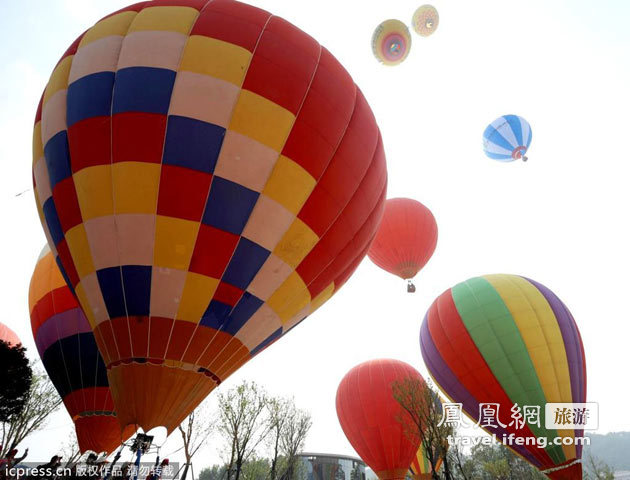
(561,218)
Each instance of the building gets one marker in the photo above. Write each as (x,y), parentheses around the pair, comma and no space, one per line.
(324,466)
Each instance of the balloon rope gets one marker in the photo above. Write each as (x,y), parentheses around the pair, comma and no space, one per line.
(561,467)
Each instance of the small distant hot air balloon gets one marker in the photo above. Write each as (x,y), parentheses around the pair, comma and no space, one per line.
(425,20)
(507,138)
(420,468)
(508,340)
(405,240)
(66,346)
(8,335)
(207,176)
(391,42)
(373,420)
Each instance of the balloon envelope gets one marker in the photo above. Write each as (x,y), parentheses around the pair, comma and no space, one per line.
(509,340)
(208,175)
(507,138)
(8,335)
(68,351)
(372,419)
(425,20)
(420,468)
(406,238)
(391,42)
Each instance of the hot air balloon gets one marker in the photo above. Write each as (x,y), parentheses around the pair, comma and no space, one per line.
(509,340)
(507,138)
(66,346)
(207,175)
(406,239)
(9,336)
(420,468)
(372,419)
(425,20)
(391,42)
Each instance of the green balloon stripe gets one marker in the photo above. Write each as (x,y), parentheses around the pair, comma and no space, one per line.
(494,332)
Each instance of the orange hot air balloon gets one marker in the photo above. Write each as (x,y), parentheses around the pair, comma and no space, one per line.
(373,420)
(66,346)
(8,335)
(406,239)
(207,176)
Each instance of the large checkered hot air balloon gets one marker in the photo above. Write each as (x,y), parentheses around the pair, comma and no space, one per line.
(66,346)
(508,340)
(207,175)
(507,138)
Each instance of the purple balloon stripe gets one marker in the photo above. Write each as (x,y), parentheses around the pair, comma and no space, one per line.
(59,326)
(453,387)
(572,345)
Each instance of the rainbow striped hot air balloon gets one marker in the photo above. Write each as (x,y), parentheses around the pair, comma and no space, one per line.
(66,345)
(509,340)
(507,138)
(391,42)
(425,20)
(420,468)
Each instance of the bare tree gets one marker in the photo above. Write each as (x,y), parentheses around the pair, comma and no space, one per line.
(70,451)
(597,470)
(241,420)
(276,418)
(195,430)
(461,464)
(424,410)
(43,400)
(293,435)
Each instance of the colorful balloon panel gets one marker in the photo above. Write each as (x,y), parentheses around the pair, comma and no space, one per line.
(509,340)
(372,419)
(420,468)
(425,20)
(406,238)
(391,42)
(8,335)
(207,175)
(507,138)
(67,348)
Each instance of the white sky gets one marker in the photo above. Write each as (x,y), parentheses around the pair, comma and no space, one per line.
(561,218)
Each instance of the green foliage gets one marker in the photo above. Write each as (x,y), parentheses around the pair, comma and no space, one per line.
(256,469)
(42,400)
(595,469)
(494,462)
(421,420)
(215,472)
(15,379)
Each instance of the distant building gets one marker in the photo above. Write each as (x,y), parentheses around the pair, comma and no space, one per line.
(325,466)
(369,474)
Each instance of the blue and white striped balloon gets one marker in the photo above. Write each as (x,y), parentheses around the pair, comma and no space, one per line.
(507,138)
